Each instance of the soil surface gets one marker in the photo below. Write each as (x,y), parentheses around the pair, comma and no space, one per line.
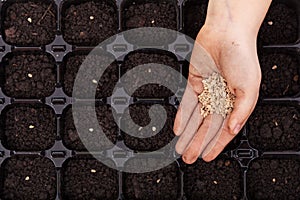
(273,179)
(29,128)
(280,25)
(89,23)
(194,16)
(85,178)
(159,184)
(152,90)
(29,75)
(107,81)
(150,14)
(106,121)
(280,75)
(31,23)
(275,128)
(139,115)
(219,179)
(29,178)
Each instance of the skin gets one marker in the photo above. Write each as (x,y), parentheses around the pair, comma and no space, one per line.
(226,44)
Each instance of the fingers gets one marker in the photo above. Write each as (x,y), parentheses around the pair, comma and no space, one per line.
(190,130)
(243,107)
(204,135)
(186,109)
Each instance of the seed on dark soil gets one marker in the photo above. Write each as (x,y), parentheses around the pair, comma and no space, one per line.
(274,128)
(152,90)
(194,16)
(80,183)
(160,184)
(106,121)
(282,80)
(273,179)
(280,25)
(29,75)
(213,180)
(78,28)
(29,128)
(28,177)
(106,83)
(31,23)
(139,115)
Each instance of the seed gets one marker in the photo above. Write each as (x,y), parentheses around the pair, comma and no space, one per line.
(296,78)
(270,23)
(227,163)
(152,22)
(94,81)
(274,180)
(93,170)
(29,20)
(91,129)
(29,75)
(92,17)
(215,182)
(276,123)
(140,128)
(31,126)
(158,180)
(274,67)
(149,70)
(27,178)
(153,128)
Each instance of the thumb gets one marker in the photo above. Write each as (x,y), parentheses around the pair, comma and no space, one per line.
(244,105)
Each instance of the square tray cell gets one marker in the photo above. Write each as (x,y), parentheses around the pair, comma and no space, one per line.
(107,81)
(88,22)
(280,75)
(194,16)
(106,121)
(219,179)
(29,75)
(275,128)
(29,23)
(139,115)
(86,178)
(28,177)
(29,127)
(280,25)
(137,58)
(149,13)
(273,179)
(160,184)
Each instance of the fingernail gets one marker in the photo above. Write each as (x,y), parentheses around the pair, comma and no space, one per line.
(237,129)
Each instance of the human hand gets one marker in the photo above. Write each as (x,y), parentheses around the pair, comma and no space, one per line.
(232,53)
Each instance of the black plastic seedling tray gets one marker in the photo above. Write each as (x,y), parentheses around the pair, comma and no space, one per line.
(41,156)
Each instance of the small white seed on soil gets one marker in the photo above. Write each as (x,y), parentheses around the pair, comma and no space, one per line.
(153,128)
(215,182)
(27,178)
(29,20)
(94,81)
(276,123)
(270,23)
(31,126)
(91,130)
(29,75)
(274,180)
(149,70)
(274,67)
(93,171)
(92,17)
(152,22)
(158,180)
(140,128)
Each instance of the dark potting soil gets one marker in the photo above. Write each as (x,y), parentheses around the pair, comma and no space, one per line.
(29,128)
(274,128)
(273,179)
(160,184)
(28,178)
(105,84)
(139,14)
(152,90)
(280,75)
(194,16)
(219,179)
(31,23)
(85,178)
(106,121)
(139,115)
(280,25)
(29,75)
(88,23)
